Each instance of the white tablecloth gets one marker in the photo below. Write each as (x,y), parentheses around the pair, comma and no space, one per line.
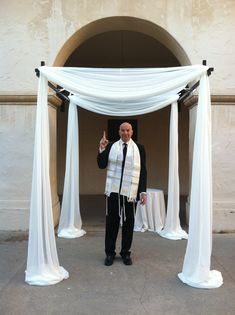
(151,217)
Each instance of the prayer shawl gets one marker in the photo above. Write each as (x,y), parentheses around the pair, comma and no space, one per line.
(131,172)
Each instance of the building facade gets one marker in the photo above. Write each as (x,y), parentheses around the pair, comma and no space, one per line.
(101,33)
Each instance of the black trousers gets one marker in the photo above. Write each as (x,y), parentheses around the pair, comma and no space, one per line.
(113,223)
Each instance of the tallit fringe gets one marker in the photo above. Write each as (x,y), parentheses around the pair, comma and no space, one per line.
(106,203)
(121,209)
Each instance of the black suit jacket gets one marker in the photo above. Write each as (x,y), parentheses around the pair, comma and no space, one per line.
(102,160)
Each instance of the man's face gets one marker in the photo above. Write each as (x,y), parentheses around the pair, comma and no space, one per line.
(125,132)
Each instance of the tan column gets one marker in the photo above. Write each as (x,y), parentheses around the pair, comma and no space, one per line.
(53,107)
(223,153)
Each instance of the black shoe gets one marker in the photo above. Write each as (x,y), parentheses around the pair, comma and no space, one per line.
(109,260)
(127,260)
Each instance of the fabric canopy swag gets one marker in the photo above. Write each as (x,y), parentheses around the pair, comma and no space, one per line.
(122,92)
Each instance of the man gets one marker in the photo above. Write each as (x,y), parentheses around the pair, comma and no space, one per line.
(125,185)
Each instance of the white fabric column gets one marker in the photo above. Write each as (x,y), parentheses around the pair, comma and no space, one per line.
(42,263)
(70,225)
(196,268)
(172,229)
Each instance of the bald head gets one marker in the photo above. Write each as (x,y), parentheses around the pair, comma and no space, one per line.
(125,131)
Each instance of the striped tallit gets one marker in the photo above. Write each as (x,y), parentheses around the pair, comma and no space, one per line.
(131,172)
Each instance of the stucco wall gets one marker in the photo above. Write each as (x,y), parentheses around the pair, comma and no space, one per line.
(223,172)
(17,127)
(16,151)
(32,31)
(223,154)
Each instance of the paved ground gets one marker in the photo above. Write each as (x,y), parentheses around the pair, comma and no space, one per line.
(149,286)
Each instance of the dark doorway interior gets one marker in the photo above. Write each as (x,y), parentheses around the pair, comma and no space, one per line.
(122,49)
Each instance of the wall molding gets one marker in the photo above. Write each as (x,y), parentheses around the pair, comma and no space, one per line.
(221,100)
(55,102)
(30,100)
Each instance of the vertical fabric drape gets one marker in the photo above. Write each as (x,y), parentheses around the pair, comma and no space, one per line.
(70,225)
(172,228)
(196,268)
(42,263)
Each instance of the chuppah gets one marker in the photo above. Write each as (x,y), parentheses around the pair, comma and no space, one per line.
(122,92)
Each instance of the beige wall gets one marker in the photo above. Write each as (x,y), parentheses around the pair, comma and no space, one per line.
(223,154)
(32,31)
(50,30)
(16,152)
(17,127)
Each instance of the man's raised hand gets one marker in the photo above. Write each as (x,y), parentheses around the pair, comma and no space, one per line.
(103,142)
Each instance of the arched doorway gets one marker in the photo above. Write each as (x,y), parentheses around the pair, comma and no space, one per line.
(121,23)
(121,42)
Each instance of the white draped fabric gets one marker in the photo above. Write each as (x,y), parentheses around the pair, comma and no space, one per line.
(70,225)
(172,228)
(196,268)
(118,92)
(42,263)
(151,216)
